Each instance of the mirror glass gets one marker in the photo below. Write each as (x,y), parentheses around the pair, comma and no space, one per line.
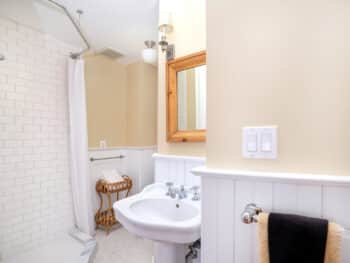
(191,98)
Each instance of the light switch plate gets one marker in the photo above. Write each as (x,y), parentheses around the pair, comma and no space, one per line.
(251,138)
(265,142)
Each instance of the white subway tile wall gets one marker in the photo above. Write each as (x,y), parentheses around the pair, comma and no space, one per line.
(35,194)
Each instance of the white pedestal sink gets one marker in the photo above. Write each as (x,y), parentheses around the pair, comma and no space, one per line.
(169,252)
(170,223)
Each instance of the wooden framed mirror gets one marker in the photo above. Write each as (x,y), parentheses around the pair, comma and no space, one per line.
(186,98)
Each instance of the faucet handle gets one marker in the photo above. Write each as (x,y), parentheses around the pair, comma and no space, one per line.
(183,191)
(170,186)
(195,188)
(196,195)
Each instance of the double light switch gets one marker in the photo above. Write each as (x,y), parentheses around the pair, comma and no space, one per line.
(259,142)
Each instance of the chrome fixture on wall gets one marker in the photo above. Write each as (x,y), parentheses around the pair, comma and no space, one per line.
(163,42)
(92,159)
(250,213)
(2,57)
(165,27)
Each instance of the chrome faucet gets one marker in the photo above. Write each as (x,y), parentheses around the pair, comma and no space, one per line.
(180,192)
(170,188)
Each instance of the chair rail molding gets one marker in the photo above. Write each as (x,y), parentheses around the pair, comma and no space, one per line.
(298,178)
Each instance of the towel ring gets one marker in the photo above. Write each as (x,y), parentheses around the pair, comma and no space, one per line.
(250,213)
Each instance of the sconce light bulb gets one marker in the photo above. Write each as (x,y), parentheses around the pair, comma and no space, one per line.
(163,43)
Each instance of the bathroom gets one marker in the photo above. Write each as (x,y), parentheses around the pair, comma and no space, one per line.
(264,130)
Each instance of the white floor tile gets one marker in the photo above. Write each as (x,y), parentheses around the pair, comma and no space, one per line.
(122,247)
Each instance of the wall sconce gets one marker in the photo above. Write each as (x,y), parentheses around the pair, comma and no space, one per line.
(165,27)
(149,54)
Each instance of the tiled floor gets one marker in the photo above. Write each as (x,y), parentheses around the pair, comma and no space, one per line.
(122,247)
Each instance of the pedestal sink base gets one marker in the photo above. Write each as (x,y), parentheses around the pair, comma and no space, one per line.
(169,252)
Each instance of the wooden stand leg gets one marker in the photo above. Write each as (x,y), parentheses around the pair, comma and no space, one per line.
(110,212)
(99,209)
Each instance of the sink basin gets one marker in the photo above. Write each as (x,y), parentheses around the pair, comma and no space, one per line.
(170,223)
(154,215)
(163,210)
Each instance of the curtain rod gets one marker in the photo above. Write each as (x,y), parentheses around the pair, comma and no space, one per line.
(78,54)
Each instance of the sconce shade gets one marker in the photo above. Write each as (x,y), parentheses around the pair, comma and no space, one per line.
(149,55)
(165,23)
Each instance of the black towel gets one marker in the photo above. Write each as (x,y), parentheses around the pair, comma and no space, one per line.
(296,239)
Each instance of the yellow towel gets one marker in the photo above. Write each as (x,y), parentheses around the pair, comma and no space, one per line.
(263,220)
(333,244)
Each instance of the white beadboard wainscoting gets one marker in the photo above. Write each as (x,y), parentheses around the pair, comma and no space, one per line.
(137,163)
(225,239)
(177,169)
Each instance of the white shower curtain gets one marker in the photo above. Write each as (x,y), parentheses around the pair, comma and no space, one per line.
(79,166)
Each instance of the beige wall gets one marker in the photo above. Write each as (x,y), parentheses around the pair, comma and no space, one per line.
(283,63)
(189,36)
(106,87)
(121,102)
(142,105)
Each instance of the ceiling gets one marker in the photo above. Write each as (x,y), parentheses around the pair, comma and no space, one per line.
(122,25)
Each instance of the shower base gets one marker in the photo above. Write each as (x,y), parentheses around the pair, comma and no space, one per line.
(75,247)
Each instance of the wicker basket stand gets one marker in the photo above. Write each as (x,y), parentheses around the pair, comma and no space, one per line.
(106,218)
